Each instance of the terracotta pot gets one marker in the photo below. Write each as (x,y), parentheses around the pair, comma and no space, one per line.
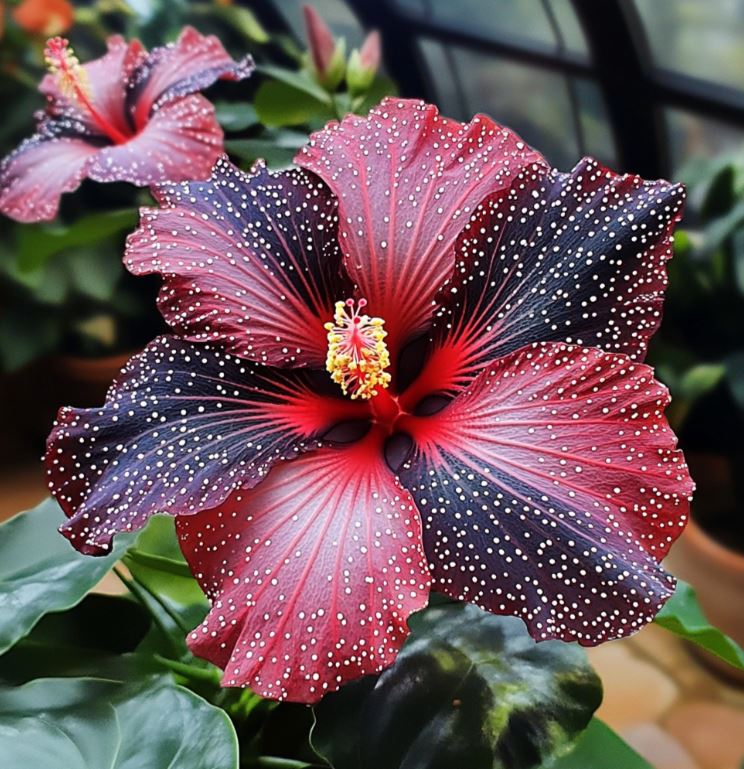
(717,575)
(88,379)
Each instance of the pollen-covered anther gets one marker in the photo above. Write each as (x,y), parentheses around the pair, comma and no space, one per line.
(357,354)
(70,75)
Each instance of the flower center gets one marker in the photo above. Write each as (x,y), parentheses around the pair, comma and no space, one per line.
(72,81)
(357,353)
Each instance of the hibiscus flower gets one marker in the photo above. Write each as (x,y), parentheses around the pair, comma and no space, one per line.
(444,336)
(128,116)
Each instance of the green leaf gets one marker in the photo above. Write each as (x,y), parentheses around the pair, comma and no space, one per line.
(299,81)
(95,638)
(278,104)
(468,689)
(278,151)
(683,616)
(83,723)
(37,243)
(156,561)
(41,572)
(735,377)
(235,115)
(700,379)
(600,748)
(243,20)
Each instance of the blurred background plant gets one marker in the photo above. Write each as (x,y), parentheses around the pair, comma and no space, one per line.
(699,350)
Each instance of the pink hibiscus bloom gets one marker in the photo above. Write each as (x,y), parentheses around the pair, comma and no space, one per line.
(487,428)
(128,116)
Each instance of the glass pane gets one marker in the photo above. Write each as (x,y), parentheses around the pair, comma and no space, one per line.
(573,35)
(595,124)
(513,20)
(698,38)
(516,19)
(691,136)
(336,13)
(441,78)
(534,102)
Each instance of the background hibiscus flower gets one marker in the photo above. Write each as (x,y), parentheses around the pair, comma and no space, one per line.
(128,116)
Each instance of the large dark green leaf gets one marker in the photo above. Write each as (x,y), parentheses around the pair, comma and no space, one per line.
(40,572)
(683,616)
(95,638)
(80,723)
(600,748)
(468,689)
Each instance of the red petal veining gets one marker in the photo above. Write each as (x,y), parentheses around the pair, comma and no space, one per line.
(312,575)
(551,489)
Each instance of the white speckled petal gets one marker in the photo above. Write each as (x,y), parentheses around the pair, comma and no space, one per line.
(577,257)
(312,575)
(249,260)
(551,489)
(408,180)
(190,64)
(34,177)
(180,141)
(182,427)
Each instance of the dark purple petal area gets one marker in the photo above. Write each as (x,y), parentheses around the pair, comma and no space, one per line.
(182,427)
(551,489)
(191,64)
(182,140)
(34,176)
(312,575)
(248,260)
(407,180)
(577,257)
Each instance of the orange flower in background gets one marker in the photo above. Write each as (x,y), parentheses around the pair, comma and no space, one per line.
(44,17)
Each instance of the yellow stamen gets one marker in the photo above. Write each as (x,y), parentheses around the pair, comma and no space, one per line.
(71,78)
(357,353)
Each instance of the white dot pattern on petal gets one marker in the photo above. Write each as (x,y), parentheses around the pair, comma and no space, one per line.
(576,257)
(551,489)
(182,427)
(311,575)
(407,181)
(249,260)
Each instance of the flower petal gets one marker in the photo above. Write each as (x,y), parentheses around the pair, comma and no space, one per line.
(249,260)
(551,489)
(34,176)
(311,575)
(107,79)
(181,141)
(183,426)
(407,181)
(577,257)
(191,64)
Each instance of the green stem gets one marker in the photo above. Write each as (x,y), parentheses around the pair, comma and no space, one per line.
(189,671)
(162,604)
(140,595)
(275,762)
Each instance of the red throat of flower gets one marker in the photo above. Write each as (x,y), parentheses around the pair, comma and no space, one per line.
(357,353)
(72,81)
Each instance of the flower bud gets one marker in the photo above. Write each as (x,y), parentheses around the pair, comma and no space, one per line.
(327,56)
(363,64)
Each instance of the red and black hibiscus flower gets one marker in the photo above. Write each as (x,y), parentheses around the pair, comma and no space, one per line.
(487,428)
(128,116)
